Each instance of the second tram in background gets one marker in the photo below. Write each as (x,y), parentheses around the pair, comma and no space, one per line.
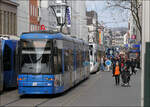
(8,72)
(51,63)
(96,52)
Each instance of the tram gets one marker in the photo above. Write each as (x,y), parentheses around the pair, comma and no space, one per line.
(95,56)
(51,63)
(8,73)
(1,68)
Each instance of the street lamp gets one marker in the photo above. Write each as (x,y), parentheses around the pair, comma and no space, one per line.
(59,10)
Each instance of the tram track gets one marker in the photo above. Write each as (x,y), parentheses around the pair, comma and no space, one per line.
(82,92)
(11,102)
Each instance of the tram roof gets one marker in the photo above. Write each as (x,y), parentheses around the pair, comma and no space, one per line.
(49,35)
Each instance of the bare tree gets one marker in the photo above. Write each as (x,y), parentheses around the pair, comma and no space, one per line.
(133,6)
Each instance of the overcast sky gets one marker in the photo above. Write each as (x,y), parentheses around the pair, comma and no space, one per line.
(111,18)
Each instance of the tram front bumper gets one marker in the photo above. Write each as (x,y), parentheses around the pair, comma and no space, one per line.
(36,90)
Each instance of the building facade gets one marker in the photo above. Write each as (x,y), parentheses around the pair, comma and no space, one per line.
(8,18)
(78,19)
(45,15)
(108,35)
(23,22)
(34,23)
(92,22)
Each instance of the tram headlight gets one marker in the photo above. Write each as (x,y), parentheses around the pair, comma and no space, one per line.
(49,79)
(19,79)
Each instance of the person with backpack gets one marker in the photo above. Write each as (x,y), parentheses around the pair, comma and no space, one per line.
(126,76)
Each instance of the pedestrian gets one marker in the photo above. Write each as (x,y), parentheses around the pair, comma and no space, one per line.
(128,63)
(133,65)
(138,62)
(122,68)
(102,64)
(126,76)
(113,64)
(117,73)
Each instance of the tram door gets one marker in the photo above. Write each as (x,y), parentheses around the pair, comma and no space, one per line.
(1,68)
(10,74)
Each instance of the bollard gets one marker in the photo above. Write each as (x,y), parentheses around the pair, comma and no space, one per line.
(147,76)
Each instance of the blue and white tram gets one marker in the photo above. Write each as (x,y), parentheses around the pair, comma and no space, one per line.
(1,68)
(96,52)
(51,63)
(8,73)
(93,58)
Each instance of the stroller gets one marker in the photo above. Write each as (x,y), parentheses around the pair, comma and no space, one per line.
(125,77)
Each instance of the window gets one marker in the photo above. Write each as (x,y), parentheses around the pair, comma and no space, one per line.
(66,58)
(34,27)
(57,61)
(36,56)
(7,58)
(78,59)
(71,60)
(33,10)
(38,11)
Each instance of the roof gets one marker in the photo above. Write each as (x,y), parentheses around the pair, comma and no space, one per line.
(10,2)
(48,35)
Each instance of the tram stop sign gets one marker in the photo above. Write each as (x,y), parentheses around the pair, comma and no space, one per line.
(108,62)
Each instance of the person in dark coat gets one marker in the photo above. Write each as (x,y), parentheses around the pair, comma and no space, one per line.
(113,65)
(133,65)
(128,63)
(126,76)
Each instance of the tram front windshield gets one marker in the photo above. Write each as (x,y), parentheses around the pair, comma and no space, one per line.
(36,56)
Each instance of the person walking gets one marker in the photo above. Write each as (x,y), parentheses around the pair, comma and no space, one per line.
(133,65)
(128,63)
(102,64)
(122,69)
(113,65)
(117,73)
(126,76)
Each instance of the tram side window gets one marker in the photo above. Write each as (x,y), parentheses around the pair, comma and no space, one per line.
(66,60)
(59,61)
(78,59)
(7,58)
(71,59)
(55,63)
(81,59)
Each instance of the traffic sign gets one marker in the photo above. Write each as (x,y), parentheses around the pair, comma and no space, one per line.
(108,62)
